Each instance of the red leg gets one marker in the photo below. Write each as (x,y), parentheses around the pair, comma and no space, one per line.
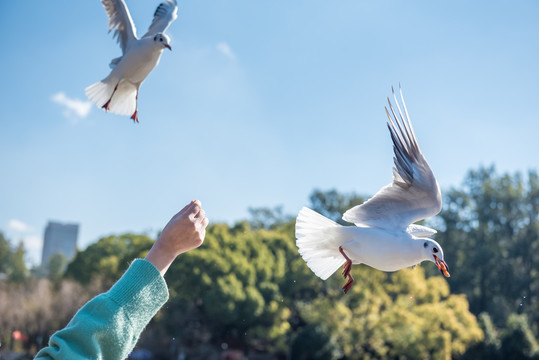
(346,271)
(106,106)
(348,284)
(134,117)
(346,268)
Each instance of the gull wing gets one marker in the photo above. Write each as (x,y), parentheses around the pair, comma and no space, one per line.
(164,15)
(414,193)
(420,231)
(120,21)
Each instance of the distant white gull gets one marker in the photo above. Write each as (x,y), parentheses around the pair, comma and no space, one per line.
(384,237)
(118,92)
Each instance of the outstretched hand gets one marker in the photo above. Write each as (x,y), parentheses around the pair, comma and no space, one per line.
(185,231)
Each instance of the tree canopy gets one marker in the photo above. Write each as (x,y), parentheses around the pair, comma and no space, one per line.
(247,287)
(490,229)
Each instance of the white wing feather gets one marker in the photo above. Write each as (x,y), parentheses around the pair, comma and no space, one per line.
(120,21)
(420,231)
(414,193)
(164,15)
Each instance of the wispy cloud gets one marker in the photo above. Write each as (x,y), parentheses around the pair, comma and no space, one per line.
(225,49)
(17,225)
(72,107)
(18,231)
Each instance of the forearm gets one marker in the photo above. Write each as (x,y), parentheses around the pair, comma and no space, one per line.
(160,258)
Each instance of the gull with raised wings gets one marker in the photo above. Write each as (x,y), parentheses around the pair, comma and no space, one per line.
(385,236)
(118,92)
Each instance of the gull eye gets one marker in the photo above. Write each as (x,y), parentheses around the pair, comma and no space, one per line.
(161,39)
(425,244)
(434,250)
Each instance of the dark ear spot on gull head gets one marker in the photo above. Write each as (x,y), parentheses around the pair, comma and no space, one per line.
(162,39)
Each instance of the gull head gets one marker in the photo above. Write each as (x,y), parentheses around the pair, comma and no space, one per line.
(433,252)
(162,40)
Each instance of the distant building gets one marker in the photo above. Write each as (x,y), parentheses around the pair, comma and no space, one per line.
(59,239)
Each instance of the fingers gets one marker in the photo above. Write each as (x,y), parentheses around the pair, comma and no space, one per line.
(194,211)
(201,218)
(200,215)
(205,222)
(186,207)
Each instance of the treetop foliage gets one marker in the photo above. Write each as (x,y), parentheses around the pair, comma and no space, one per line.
(247,287)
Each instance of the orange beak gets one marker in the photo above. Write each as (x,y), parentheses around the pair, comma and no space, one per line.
(442,266)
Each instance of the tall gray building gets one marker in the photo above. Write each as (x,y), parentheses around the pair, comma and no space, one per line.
(59,238)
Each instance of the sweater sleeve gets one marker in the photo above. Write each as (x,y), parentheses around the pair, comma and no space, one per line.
(109,325)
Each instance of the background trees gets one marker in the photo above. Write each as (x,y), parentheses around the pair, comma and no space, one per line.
(247,288)
(491,227)
(12,261)
(33,306)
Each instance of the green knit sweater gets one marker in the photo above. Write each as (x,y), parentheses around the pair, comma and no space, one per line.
(109,325)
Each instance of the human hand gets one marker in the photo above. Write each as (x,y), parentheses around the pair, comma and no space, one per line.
(185,231)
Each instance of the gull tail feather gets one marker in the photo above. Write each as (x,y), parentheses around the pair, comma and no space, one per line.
(123,102)
(318,240)
(100,92)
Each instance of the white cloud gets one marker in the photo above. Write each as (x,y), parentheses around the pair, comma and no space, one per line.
(71,106)
(18,231)
(17,225)
(225,49)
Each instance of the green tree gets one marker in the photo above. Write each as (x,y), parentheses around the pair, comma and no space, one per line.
(489,348)
(490,233)
(12,260)
(56,267)
(314,343)
(517,340)
(396,315)
(267,218)
(514,342)
(108,258)
(5,254)
(233,285)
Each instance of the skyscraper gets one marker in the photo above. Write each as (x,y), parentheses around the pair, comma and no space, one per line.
(59,239)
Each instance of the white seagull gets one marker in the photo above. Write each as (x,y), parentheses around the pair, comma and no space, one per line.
(118,92)
(384,237)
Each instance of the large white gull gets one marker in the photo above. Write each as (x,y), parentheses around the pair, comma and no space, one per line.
(384,237)
(118,92)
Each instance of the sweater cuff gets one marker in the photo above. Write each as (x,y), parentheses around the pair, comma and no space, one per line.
(140,288)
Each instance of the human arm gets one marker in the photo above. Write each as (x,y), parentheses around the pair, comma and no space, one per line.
(109,325)
(185,231)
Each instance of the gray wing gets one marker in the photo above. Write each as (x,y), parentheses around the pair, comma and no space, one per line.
(164,15)
(120,21)
(414,193)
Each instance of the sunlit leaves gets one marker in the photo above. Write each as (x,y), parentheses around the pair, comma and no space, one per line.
(396,315)
(108,258)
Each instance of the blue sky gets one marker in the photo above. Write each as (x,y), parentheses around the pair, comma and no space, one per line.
(259,103)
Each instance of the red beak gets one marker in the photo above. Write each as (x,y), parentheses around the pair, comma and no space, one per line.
(442,266)
(168,47)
